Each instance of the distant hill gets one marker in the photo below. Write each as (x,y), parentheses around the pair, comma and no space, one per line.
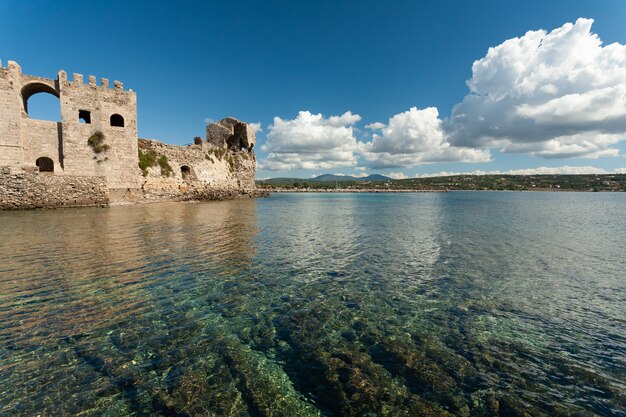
(344,178)
(325,178)
(280,180)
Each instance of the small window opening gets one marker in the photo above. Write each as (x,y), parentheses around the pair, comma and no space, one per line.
(117,120)
(185,171)
(84,116)
(45,164)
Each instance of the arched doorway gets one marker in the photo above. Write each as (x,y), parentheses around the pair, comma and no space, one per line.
(45,164)
(185,171)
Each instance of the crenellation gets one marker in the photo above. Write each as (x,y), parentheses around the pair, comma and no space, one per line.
(97,138)
(14,66)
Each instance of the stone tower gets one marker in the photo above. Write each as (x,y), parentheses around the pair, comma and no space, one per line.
(62,147)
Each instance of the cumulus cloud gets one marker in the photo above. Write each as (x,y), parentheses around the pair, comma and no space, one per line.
(256,126)
(563,170)
(397,175)
(558,94)
(375,126)
(415,137)
(311,141)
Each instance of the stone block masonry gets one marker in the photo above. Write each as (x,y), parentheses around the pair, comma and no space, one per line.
(201,171)
(96,143)
(85,110)
(35,190)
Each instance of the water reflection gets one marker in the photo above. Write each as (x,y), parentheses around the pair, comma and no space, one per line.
(63,269)
(431,304)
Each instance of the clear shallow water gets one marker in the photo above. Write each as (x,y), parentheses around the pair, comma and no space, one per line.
(304,304)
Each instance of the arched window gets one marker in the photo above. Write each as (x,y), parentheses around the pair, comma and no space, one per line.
(45,164)
(41,101)
(185,171)
(117,120)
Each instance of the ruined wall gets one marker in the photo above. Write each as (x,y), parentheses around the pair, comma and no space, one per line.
(31,190)
(196,170)
(232,134)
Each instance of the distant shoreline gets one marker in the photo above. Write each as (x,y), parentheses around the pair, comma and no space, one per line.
(374,191)
(365,190)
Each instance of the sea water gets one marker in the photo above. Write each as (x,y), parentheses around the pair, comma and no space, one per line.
(459,303)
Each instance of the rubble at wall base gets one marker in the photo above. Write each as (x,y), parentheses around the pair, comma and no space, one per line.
(184,193)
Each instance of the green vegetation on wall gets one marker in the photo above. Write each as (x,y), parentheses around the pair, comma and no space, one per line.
(146,160)
(166,168)
(150,158)
(96,142)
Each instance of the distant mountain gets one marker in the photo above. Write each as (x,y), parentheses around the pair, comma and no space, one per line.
(345,178)
(324,178)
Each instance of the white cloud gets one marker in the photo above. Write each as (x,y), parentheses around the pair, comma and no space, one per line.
(563,170)
(556,95)
(415,137)
(310,141)
(397,175)
(620,170)
(375,126)
(256,126)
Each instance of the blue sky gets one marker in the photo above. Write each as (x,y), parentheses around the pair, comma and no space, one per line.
(193,61)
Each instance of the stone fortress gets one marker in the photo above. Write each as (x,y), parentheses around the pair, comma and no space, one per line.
(93,156)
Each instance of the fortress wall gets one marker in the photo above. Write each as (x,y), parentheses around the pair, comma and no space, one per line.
(223,166)
(41,138)
(119,163)
(24,190)
(10,118)
(212,169)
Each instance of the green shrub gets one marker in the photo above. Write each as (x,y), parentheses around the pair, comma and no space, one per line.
(146,160)
(150,158)
(166,168)
(96,142)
